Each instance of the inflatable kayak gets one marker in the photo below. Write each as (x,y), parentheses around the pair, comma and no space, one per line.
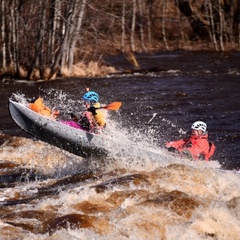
(57,133)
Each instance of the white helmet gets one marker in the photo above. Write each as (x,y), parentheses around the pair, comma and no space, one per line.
(199,125)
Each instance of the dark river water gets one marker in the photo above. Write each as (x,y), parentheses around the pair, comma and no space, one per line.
(188,87)
(141,192)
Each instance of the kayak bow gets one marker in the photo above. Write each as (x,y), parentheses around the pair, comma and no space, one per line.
(54,132)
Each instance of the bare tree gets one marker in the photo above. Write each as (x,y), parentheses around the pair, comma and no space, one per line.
(14,37)
(180,26)
(75,34)
(3,29)
(212,25)
(164,24)
(55,15)
(149,29)
(71,28)
(221,25)
(235,8)
(38,60)
(123,26)
(44,36)
(132,35)
(141,26)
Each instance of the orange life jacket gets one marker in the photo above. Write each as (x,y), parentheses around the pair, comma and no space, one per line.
(93,122)
(39,107)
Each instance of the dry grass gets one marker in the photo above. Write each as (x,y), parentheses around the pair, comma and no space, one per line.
(81,69)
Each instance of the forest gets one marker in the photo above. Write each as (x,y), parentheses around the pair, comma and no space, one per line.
(47,39)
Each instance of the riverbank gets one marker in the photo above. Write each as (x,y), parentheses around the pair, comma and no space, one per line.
(101,67)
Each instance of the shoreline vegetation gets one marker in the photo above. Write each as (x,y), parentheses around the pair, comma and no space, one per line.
(48,39)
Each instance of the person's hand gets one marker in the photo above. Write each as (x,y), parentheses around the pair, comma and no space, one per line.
(55,113)
(172,149)
(92,110)
(73,117)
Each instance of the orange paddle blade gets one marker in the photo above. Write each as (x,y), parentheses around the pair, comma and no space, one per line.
(113,106)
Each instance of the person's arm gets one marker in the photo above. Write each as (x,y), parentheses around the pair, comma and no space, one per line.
(92,110)
(211,151)
(198,148)
(176,144)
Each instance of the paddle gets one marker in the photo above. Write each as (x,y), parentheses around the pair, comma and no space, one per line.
(112,106)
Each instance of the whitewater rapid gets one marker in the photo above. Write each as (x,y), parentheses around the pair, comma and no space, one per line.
(142,193)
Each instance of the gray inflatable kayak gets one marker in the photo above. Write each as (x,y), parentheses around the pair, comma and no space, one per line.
(71,139)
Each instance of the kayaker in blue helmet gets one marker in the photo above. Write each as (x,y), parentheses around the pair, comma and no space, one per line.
(91,96)
(93,119)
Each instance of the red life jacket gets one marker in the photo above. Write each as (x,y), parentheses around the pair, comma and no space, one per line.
(211,151)
(198,146)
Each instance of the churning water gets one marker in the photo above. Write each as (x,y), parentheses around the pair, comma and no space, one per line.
(140,191)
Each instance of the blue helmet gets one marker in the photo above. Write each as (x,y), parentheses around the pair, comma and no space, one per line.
(91,96)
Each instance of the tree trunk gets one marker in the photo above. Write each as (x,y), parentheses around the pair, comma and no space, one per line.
(123,26)
(55,18)
(221,25)
(3,36)
(163,24)
(132,38)
(212,25)
(79,20)
(14,19)
(236,20)
(149,31)
(197,25)
(43,30)
(62,54)
(37,61)
(140,4)
(182,41)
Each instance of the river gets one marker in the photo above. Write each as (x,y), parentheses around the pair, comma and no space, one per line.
(145,192)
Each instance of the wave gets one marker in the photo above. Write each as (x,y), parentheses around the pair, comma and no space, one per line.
(142,193)
(139,191)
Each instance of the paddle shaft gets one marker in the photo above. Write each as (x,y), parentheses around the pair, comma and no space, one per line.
(112,106)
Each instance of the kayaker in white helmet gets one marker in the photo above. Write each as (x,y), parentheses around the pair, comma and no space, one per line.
(197,146)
